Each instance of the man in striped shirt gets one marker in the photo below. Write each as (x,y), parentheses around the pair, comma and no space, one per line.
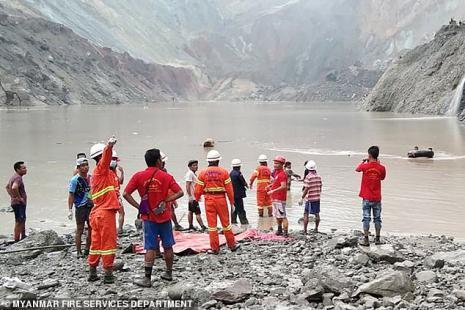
(311,193)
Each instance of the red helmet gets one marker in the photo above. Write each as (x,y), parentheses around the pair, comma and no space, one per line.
(280,159)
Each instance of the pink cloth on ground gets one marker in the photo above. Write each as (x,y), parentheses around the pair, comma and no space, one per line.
(193,243)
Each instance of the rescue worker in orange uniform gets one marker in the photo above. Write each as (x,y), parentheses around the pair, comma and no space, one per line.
(263,176)
(215,184)
(103,214)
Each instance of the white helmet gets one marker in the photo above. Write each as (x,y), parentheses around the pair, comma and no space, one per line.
(236,162)
(262,158)
(213,155)
(96,150)
(163,157)
(311,165)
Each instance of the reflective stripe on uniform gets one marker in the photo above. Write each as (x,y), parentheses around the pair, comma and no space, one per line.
(263,181)
(199,182)
(227,181)
(102,252)
(103,192)
(212,228)
(227,228)
(214,189)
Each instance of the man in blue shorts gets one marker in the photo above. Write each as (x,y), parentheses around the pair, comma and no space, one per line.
(153,185)
(79,196)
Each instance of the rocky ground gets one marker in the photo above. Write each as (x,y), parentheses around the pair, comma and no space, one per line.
(317,271)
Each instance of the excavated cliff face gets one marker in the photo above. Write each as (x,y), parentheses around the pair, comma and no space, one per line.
(426,79)
(47,63)
(271,49)
(266,41)
(390,26)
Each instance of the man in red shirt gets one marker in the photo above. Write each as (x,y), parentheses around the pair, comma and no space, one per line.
(370,192)
(153,185)
(278,193)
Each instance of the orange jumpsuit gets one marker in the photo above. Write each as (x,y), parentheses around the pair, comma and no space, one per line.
(214,182)
(263,176)
(103,214)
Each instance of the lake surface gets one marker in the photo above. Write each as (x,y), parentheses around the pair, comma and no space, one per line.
(420,196)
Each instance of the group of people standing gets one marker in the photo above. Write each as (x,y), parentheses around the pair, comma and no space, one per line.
(97,199)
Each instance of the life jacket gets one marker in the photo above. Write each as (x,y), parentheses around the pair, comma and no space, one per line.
(104,195)
(214,181)
(263,175)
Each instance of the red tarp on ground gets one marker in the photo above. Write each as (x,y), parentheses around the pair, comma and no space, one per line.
(193,243)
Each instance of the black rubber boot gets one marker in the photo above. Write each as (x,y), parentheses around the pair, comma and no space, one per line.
(235,248)
(364,242)
(144,282)
(109,278)
(92,274)
(167,275)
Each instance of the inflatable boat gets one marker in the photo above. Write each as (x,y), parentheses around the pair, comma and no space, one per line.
(416,153)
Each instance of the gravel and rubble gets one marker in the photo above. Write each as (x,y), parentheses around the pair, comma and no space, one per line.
(316,271)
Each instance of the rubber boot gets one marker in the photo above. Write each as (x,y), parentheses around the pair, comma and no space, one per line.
(92,274)
(365,242)
(235,248)
(280,231)
(144,282)
(378,233)
(167,275)
(109,278)
(147,280)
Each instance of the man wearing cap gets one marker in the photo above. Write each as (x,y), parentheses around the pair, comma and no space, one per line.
(311,193)
(103,214)
(239,187)
(278,192)
(79,196)
(263,176)
(214,183)
(193,208)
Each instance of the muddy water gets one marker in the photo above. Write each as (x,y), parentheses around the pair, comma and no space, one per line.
(419,196)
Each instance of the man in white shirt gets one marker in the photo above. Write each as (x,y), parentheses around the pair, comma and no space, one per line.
(190,179)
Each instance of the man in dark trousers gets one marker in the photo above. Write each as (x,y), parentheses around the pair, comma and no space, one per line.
(239,187)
